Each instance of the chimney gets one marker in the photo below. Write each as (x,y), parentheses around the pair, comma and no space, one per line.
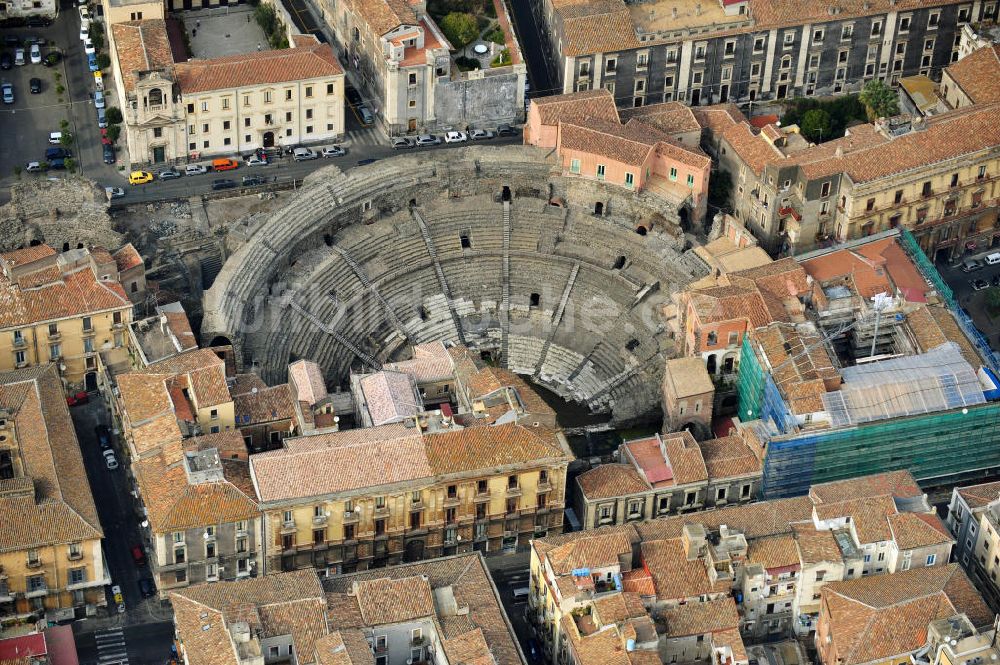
(840,151)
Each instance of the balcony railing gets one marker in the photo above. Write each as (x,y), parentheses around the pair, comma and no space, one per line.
(288,527)
(319,520)
(351,516)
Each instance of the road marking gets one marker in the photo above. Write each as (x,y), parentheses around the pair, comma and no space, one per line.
(111,647)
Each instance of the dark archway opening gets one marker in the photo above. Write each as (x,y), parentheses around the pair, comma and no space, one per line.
(90,381)
(413,203)
(619,263)
(641,230)
(535,300)
(79,245)
(710,365)
(268,139)
(65,246)
(599,208)
(505,195)
(685,219)
(34,243)
(221,340)
(328,239)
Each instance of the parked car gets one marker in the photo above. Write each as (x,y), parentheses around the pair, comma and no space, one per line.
(971,265)
(252,180)
(35,85)
(19,56)
(480,134)
(428,139)
(109,153)
(254,160)
(979,284)
(39,21)
(367,117)
(195,169)
(455,137)
(114,192)
(33,167)
(92,62)
(103,436)
(77,399)
(35,54)
(110,460)
(57,153)
(116,593)
(506,130)
(99,99)
(146,587)
(138,556)
(168,174)
(7,89)
(401,143)
(303,154)
(84,12)
(102,118)
(57,164)
(52,58)
(223,183)
(84,30)
(333,151)
(6,62)
(139,177)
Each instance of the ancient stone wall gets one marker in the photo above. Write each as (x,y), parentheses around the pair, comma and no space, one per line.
(63,213)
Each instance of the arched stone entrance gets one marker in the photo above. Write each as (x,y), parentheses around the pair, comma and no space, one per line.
(268,139)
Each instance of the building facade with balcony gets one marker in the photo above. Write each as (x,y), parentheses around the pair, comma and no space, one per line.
(974,521)
(52,564)
(223,106)
(64,308)
(708,52)
(438,489)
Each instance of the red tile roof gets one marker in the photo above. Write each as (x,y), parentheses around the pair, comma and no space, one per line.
(257,68)
(977,75)
(141,46)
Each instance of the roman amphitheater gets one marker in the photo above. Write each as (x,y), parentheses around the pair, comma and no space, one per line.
(558,278)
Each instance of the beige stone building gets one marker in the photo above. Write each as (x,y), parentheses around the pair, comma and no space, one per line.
(62,308)
(688,394)
(51,561)
(223,106)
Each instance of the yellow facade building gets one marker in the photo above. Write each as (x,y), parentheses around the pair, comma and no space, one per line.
(51,562)
(61,308)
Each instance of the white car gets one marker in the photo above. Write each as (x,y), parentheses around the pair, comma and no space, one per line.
(480,134)
(333,151)
(196,169)
(114,193)
(98,99)
(455,137)
(254,160)
(110,460)
(88,46)
(84,30)
(36,55)
(84,12)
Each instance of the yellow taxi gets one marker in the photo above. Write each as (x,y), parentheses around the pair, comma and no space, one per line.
(139,177)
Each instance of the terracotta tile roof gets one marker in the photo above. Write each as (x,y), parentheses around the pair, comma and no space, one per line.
(209,386)
(674,575)
(469,583)
(264,406)
(156,433)
(387,600)
(777,13)
(901,269)
(307,379)
(731,303)
(611,480)
(490,447)
(384,15)
(899,484)
(774,552)
(668,117)
(604,647)
(801,364)
(754,520)
(688,376)
(174,504)
(596,26)
(729,457)
(816,546)
(865,276)
(579,106)
(245,383)
(980,496)
(718,117)
(628,144)
(257,68)
(691,156)
(52,503)
(684,455)
(594,548)
(127,256)
(700,618)
(291,603)
(882,617)
(618,607)
(977,74)
(783,278)
(60,295)
(144,396)
(141,46)
(468,648)
(430,362)
(638,581)
(749,146)
(915,530)
(18,257)
(389,397)
(869,516)
(933,326)
(332,463)
(344,647)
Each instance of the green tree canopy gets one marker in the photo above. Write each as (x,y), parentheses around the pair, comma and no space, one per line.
(879,99)
(460,28)
(817,125)
(114,115)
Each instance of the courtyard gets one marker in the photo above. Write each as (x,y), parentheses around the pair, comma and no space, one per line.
(220,31)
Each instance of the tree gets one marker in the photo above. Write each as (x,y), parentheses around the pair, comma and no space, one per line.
(816,125)
(460,28)
(113,115)
(114,131)
(879,99)
(103,61)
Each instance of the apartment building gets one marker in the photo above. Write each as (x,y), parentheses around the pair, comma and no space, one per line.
(728,577)
(667,474)
(52,564)
(918,615)
(445,611)
(709,52)
(973,518)
(688,397)
(61,308)
(930,175)
(223,106)
(201,521)
(439,489)
(401,63)
(26,9)
(639,151)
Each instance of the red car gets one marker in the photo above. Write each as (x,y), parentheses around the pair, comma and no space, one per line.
(79,398)
(138,556)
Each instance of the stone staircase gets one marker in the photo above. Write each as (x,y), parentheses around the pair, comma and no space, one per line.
(505,299)
(362,276)
(365,358)
(557,317)
(429,242)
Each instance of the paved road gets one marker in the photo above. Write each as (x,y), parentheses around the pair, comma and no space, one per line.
(116,510)
(147,644)
(283,169)
(511,572)
(530,33)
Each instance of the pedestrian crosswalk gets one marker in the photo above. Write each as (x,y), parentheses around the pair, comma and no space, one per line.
(365,136)
(111,648)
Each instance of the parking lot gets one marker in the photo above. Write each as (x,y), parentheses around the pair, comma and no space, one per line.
(973,300)
(31,118)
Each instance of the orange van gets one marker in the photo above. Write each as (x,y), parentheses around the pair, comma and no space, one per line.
(224,164)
